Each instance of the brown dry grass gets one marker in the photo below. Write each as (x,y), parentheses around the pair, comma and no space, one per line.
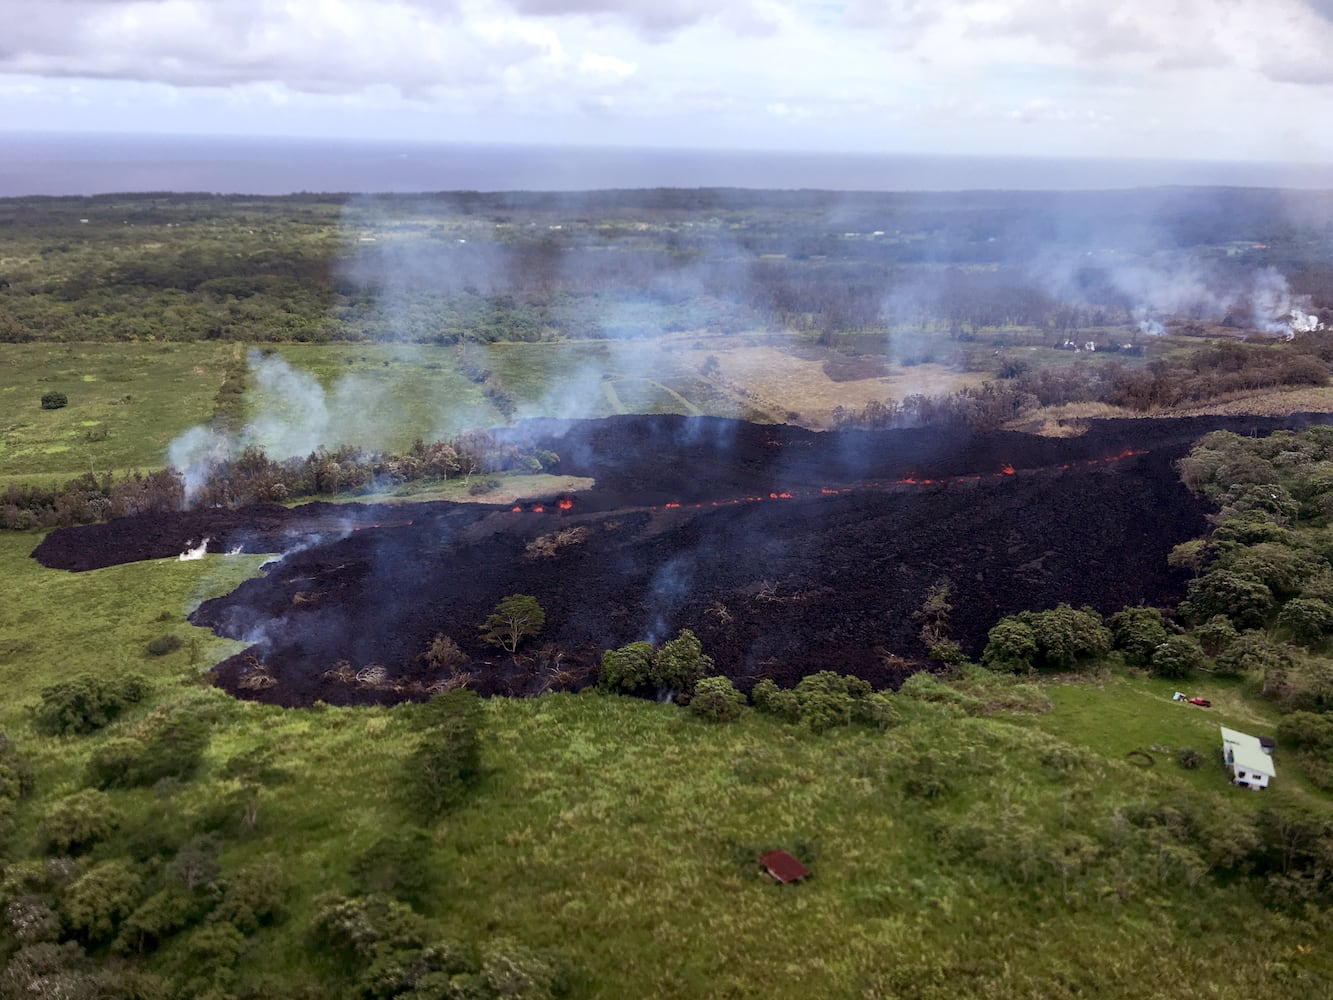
(780,380)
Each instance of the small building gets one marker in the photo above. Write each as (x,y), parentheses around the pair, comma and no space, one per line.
(1250,766)
(782,867)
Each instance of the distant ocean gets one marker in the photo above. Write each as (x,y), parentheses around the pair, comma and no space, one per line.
(33,163)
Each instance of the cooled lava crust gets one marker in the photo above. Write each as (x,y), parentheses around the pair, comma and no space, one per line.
(787,551)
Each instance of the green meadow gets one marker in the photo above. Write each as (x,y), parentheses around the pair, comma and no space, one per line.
(1001,855)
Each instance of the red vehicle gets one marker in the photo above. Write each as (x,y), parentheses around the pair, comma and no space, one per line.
(1201,702)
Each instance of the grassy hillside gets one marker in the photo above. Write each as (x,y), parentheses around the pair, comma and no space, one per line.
(1001,855)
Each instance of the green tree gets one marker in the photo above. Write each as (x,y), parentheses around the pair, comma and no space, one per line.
(1178,657)
(1306,620)
(78,821)
(629,668)
(1011,645)
(96,903)
(1137,632)
(717,699)
(1216,634)
(680,663)
(1243,599)
(514,619)
(86,703)
(933,615)
(1252,654)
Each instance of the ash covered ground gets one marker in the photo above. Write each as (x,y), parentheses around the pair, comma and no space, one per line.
(785,550)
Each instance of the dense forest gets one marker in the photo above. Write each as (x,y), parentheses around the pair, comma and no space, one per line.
(446,268)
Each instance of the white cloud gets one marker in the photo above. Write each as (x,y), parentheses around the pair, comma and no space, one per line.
(1176,77)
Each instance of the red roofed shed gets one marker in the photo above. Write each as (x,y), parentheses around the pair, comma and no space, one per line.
(783,867)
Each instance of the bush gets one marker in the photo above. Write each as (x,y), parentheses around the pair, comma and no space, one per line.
(717,699)
(95,905)
(87,703)
(1216,634)
(680,663)
(254,897)
(165,644)
(54,400)
(173,748)
(770,699)
(1011,646)
(17,777)
(78,821)
(166,912)
(1189,758)
(1242,598)
(1306,731)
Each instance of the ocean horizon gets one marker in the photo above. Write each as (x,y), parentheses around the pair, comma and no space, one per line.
(54,164)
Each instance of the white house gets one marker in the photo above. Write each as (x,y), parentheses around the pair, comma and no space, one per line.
(1250,766)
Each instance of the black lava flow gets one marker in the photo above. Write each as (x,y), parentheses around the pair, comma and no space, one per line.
(786,550)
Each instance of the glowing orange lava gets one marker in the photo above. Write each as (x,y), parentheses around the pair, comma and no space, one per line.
(566,504)
(1006,470)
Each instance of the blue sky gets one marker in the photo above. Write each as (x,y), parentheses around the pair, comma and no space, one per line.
(1194,79)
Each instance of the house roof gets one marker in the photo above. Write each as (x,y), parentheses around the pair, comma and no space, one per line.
(783,867)
(1247,753)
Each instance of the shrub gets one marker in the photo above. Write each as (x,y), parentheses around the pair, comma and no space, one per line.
(1242,598)
(254,897)
(94,906)
(173,748)
(1189,758)
(1056,639)
(770,699)
(165,644)
(54,400)
(717,699)
(355,926)
(17,777)
(875,710)
(1306,731)
(166,912)
(824,701)
(78,821)
(638,669)
(443,653)
(87,703)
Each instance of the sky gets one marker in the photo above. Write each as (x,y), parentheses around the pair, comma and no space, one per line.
(1176,79)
